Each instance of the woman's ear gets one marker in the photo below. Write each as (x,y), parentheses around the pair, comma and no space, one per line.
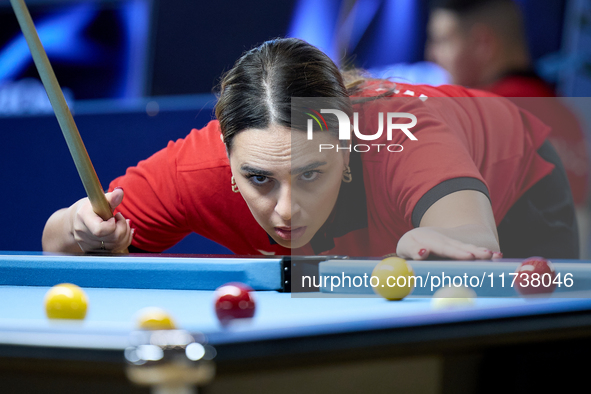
(347,152)
(347,155)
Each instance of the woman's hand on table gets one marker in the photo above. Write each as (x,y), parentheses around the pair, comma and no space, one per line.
(422,242)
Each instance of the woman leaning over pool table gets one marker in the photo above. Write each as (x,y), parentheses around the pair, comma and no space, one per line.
(479,179)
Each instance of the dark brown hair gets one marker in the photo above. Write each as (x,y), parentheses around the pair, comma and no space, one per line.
(257,91)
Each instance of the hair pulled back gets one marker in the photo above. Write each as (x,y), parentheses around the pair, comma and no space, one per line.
(257,91)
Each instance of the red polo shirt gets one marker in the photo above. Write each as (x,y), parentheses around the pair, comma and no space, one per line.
(465,140)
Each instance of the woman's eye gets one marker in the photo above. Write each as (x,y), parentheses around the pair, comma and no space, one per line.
(309,176)
(258,180)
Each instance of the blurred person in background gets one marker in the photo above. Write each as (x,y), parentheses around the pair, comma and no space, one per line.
(482,44)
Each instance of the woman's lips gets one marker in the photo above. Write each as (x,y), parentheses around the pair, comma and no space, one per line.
(290,233)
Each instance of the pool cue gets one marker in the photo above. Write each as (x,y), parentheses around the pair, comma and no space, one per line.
(90,180)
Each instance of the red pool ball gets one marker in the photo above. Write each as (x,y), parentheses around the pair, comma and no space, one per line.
(527,283)
(234,301)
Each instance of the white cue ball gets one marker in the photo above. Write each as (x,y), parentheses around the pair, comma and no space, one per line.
(453,297)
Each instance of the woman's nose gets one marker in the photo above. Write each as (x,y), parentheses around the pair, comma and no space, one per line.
(286,206)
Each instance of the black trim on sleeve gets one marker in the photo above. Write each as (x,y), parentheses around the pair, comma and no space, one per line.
(442,190)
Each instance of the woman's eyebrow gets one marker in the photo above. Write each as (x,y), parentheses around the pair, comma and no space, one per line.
(308,167)
(255,171)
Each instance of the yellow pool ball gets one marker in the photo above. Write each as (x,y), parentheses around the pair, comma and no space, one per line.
(453,297)
(394,276)
(154,319)
(66,301)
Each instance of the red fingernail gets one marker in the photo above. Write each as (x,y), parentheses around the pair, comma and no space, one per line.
(422,252)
